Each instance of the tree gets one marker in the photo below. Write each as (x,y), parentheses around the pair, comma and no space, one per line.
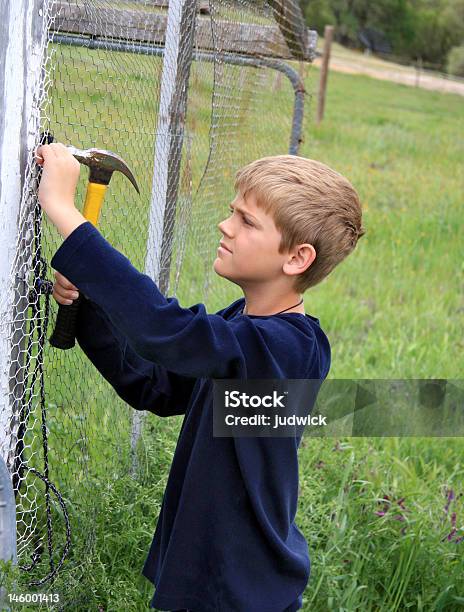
(414,28)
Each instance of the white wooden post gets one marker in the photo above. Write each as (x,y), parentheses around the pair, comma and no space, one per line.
(22,47)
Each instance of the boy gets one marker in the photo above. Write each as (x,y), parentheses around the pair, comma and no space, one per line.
(226,540)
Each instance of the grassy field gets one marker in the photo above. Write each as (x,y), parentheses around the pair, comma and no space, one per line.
(354,61)
(383,516)
(402,290)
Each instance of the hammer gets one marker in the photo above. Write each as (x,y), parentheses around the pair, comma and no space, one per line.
(102,164)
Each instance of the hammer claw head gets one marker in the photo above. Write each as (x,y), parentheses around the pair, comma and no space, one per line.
(104,163)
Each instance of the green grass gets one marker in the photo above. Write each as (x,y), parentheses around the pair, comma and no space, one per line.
(393,309)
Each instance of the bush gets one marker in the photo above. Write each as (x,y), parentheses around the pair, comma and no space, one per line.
(455,63)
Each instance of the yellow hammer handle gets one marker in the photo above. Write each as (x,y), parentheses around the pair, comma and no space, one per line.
(93,201)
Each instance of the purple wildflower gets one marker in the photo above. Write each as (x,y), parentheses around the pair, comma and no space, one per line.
(387,503)
(449,497)
(451,534)
(399,517)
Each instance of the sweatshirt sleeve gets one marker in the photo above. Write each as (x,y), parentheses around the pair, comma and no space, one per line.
(186,341)
(142,384)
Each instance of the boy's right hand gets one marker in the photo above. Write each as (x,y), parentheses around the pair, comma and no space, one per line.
(64,291)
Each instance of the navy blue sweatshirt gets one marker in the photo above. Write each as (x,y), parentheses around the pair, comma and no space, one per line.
(226,538)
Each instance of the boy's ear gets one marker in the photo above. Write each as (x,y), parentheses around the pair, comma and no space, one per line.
(300,258)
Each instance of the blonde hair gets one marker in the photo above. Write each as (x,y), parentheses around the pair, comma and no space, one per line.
(310,203)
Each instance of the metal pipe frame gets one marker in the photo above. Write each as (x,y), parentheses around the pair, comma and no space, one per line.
(230,58)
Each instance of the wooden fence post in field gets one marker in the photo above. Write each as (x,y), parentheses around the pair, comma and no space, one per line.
(328,35)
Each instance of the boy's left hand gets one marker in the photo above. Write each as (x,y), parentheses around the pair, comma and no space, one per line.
(59,179)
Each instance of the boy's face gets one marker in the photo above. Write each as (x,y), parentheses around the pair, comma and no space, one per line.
(253,240)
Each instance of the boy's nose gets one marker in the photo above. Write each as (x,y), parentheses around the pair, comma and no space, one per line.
(224,228)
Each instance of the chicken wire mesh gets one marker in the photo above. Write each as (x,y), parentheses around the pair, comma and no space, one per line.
(184,115)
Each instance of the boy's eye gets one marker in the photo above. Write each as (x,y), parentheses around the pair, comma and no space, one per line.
(245,220)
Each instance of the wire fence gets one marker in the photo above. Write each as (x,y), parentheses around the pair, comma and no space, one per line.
(386,67)
(179,92)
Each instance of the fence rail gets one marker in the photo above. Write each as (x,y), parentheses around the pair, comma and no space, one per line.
(123,23)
